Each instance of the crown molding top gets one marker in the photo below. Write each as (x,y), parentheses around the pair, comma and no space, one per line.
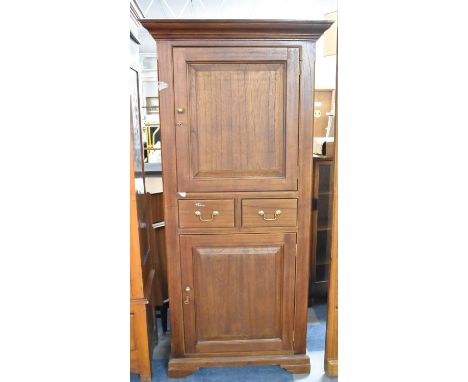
(135,10)
(173,29)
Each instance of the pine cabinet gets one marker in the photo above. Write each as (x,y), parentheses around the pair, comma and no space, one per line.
(237,133)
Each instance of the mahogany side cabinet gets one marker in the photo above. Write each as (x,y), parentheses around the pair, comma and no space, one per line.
(237,133)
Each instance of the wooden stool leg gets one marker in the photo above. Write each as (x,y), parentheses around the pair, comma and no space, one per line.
(164,309)
(145,377)
(161,312)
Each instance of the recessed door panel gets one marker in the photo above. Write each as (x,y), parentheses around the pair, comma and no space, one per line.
(238,292)
(237,118)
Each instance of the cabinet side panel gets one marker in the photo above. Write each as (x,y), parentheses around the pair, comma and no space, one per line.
(169,169)
(305,193)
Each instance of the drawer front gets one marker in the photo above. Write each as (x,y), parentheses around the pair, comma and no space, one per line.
(269,212)
(206,213)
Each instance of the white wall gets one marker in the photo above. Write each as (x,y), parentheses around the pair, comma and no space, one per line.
(325,69)
(238,9)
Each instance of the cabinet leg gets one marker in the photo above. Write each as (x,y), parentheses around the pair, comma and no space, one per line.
(174,372)
(145,377)
(297,369)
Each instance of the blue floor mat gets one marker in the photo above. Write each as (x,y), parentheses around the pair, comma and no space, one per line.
(315,342)
(224,374)
(316,333)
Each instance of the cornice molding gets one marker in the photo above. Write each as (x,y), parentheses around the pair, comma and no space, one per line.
(135,11)
(174,29)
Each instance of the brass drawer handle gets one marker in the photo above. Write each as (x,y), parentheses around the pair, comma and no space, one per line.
(199,215)
(275,216)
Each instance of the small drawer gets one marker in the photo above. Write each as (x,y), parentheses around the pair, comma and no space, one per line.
(206,213)
(269,212)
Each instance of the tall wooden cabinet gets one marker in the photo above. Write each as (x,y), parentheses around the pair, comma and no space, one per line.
(237,133)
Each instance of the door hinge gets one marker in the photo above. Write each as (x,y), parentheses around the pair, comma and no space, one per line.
(294,332)
(295,254)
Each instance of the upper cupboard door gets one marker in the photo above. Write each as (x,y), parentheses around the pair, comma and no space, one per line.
(237,118)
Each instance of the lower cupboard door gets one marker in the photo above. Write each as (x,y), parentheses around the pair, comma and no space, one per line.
(238,292)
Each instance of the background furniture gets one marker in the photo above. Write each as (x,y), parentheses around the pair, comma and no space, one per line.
(141,320)
(236,128)
(150,112)
(322,209)
(143,333)
(161,295)
(331,338)
(323,104)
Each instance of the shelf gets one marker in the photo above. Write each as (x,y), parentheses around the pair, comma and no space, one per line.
(153,167)
(323,158)
(323,262)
